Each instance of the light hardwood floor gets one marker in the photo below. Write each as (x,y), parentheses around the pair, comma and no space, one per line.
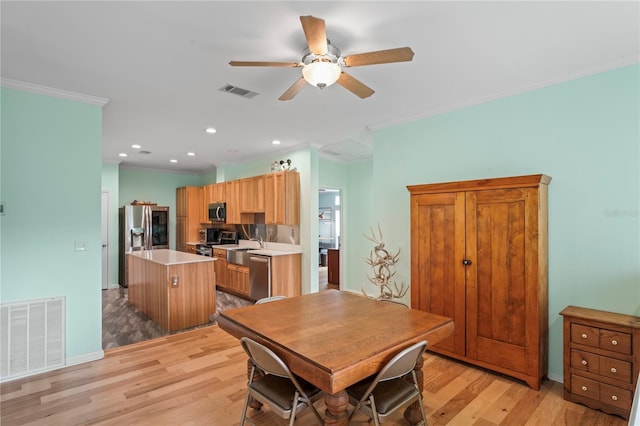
(199,378)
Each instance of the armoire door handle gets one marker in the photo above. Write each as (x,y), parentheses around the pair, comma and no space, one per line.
(466,262)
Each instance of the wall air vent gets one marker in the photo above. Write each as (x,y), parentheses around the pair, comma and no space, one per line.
(228,88)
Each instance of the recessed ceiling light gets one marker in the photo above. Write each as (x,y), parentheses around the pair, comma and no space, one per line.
(122,154)
(173,160)
(136,146)
(191,154)
(275,142)
(210,130)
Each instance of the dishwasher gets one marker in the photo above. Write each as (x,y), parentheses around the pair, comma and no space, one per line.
(259,276)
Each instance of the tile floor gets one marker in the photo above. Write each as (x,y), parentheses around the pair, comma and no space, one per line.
(123,324)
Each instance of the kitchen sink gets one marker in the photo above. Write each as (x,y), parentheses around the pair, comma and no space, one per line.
(239,256)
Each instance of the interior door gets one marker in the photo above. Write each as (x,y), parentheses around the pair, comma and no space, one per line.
(105,240)
(437,271)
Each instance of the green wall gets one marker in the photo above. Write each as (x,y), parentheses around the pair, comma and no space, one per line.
(583,133)
(157,187)
(50,174)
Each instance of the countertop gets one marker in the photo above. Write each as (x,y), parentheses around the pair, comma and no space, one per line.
(269,249)
(170,257)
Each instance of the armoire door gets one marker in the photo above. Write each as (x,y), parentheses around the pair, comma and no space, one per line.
(502,277)
(437,272)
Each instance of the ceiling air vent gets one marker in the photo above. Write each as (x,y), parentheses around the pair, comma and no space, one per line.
(228,88)
(144,152)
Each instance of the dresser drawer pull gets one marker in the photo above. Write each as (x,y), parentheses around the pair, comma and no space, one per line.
(614,342)
(613,370)
(584,362)
(584,335)
(584,388)
(615,398)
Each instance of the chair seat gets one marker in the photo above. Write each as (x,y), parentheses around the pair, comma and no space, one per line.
(280,390)
(386,394)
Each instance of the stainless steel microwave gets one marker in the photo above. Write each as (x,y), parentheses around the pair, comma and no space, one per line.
(218,212)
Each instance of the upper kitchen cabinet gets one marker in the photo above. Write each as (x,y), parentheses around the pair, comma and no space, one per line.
(189,215)
(282,198)
(232,189)
(214,193)
(252,194)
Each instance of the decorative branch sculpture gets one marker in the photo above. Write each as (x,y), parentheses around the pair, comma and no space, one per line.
(382,263)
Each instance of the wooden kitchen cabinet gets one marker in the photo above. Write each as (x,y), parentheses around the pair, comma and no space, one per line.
(282,198)
(189,215)
(214,193)
(286,275)
(252,195)
(232,190)
(238,279)
(479,256)
(601,359)
(220,266)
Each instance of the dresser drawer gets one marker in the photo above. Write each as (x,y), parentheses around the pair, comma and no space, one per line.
(605,366)
(616,369)
(585,387)
(586,361)
(615,396)
(607,394)
(615,341)
(584,335)
(601,338)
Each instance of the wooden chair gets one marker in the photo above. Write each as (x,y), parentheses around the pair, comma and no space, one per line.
(389,390)
(276,386)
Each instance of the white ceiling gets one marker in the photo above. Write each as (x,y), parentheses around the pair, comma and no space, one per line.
(161,65)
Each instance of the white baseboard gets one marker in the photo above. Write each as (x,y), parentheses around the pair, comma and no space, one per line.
(85,358)
(69,362)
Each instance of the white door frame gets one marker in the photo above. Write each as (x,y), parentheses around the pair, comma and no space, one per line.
(105,239)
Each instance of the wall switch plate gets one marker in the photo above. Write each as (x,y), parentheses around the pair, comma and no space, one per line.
(81,245)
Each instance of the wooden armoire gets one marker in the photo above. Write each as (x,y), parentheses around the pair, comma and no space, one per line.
(479,256)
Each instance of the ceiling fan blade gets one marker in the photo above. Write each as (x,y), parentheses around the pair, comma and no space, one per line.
(355,86)
(400,54)
(315,32)
(263,64)
(293,90)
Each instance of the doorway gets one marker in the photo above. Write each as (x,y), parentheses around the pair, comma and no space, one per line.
(329,237)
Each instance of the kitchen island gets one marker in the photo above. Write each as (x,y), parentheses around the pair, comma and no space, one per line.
(175,289)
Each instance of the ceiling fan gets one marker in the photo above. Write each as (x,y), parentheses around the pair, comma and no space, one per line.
(323,64)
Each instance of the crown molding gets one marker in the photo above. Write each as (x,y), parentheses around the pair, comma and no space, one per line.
(50,91)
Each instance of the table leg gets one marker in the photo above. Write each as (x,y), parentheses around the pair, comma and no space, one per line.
(412,413)
(253,403)
(336,413)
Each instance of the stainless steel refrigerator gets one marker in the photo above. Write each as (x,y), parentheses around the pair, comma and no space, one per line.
(143,227)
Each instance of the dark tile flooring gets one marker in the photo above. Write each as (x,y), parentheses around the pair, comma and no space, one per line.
(123,324)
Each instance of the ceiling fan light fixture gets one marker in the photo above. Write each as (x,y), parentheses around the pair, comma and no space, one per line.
(321,73)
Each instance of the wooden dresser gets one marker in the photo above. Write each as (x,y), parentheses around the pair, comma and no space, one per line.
(601,359)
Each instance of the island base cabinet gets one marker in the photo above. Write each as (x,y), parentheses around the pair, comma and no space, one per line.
(174,296)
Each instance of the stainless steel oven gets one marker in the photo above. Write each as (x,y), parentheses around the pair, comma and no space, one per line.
(204,250)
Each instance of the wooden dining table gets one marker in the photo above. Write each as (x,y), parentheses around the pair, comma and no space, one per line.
(334,339)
